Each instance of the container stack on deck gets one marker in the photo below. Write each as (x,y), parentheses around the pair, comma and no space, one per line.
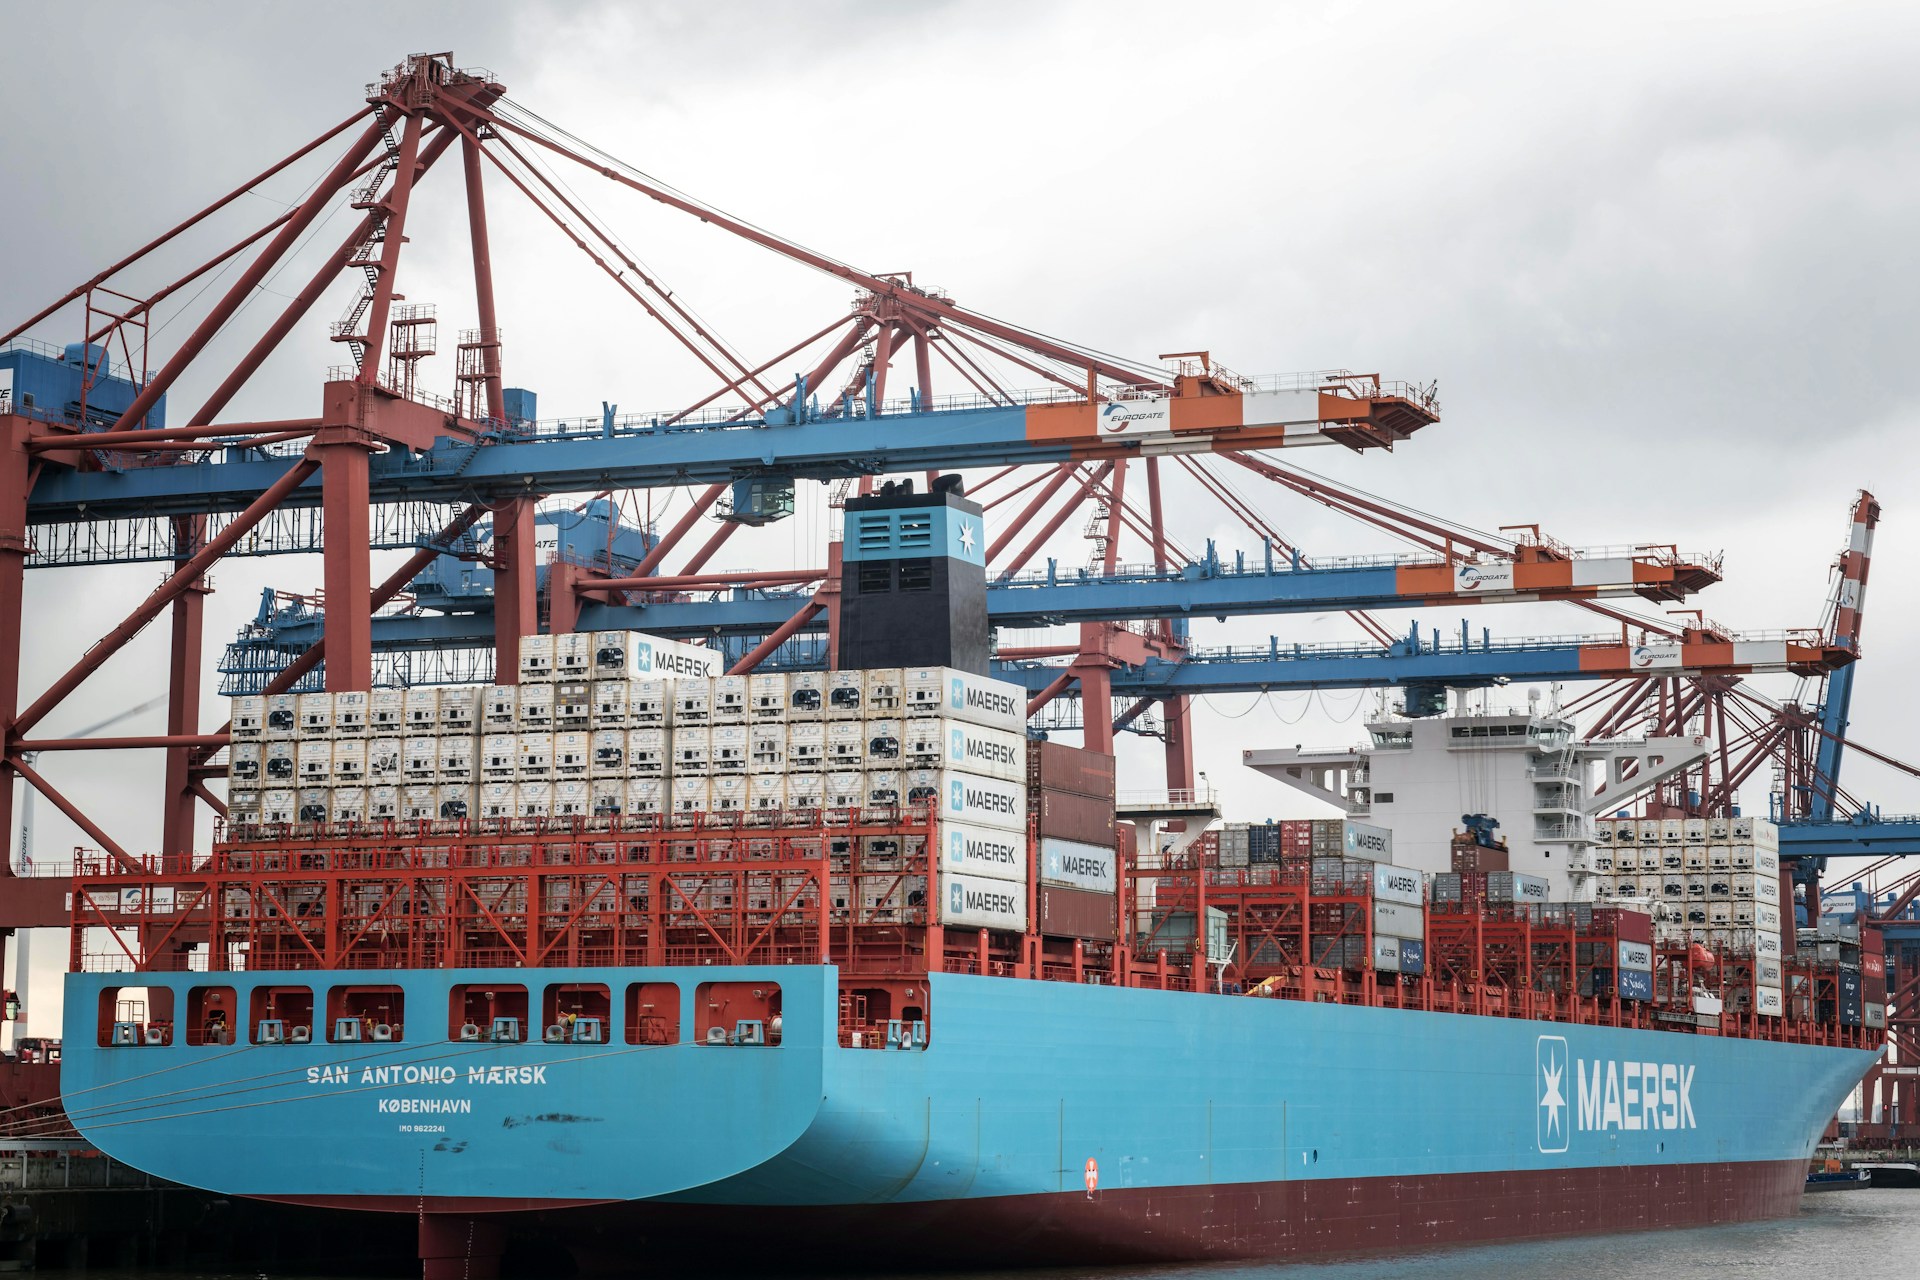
(1070,792)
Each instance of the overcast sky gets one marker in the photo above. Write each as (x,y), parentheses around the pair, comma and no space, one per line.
(1661,260)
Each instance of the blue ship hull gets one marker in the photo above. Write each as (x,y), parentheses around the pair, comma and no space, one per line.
(1040,1120)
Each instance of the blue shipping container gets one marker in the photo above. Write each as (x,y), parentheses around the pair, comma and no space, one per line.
(1413,956)
(1636,984)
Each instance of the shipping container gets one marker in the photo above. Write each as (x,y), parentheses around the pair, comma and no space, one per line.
(536,708)
(1087,819)
(884,692)
(1399,920)
(573,653)
(976,902)
(1516,887)
(607,797)
(806,746)
(349,804)
(316,715)
(279,805)
(884,788)
(1413,957)
(349,762)
(692,750)
(609,754)
(419,803)
(1079,865)
(536,659)
(990,753)
(806,695)
(282,716)
(766,792)
(1399,884)
(767,747)
(535,754)
(843,789)
(692,702)
(1079,913)
(885,747)
(846,744)
(649,752)
(572,755)
(728,794)
(962,695)
(647,797)
(846,695)
(1635,985)
(1636,955)
(497,799)
(243,761)
(455,800)
(315,805)
(1768,1002)
(248,718)
(727,749)
(689,794)
(986,802)
(383,804)
(767,696)
(1054,766)
(806,790)
(983,851)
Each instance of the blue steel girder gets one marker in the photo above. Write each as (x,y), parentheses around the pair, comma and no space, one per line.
(1213,588)
(621,457)
(1869,835)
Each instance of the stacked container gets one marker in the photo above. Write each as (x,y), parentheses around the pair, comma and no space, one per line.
(1071,793)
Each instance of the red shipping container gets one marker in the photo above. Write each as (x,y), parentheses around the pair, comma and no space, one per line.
(1077,913)
(1053,766)
(1872,941)
(1472,858)
(1872,964)
(1628,926)
(1065,816)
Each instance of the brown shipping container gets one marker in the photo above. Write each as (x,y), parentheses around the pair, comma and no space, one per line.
(1052,766)
(1469,858)
(1077,913)
(1073,817)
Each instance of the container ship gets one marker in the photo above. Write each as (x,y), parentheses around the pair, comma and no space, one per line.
(634,952)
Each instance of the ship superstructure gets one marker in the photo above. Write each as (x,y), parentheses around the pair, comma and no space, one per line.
(1528,770)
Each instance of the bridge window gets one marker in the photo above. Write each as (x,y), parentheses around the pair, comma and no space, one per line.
(281,1015)
(359,1014)
(487,1011)
(1383,797)
(211,1013)
(653,1013)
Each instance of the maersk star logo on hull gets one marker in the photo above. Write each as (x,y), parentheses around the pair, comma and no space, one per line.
(1550,1113)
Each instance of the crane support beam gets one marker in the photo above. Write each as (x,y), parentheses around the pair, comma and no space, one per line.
(639,455)
(1212,588)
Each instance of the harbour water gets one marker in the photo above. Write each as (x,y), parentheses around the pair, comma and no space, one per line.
(1850,1235)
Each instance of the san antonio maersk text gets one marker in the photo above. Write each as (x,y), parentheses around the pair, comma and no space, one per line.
(342,1073)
